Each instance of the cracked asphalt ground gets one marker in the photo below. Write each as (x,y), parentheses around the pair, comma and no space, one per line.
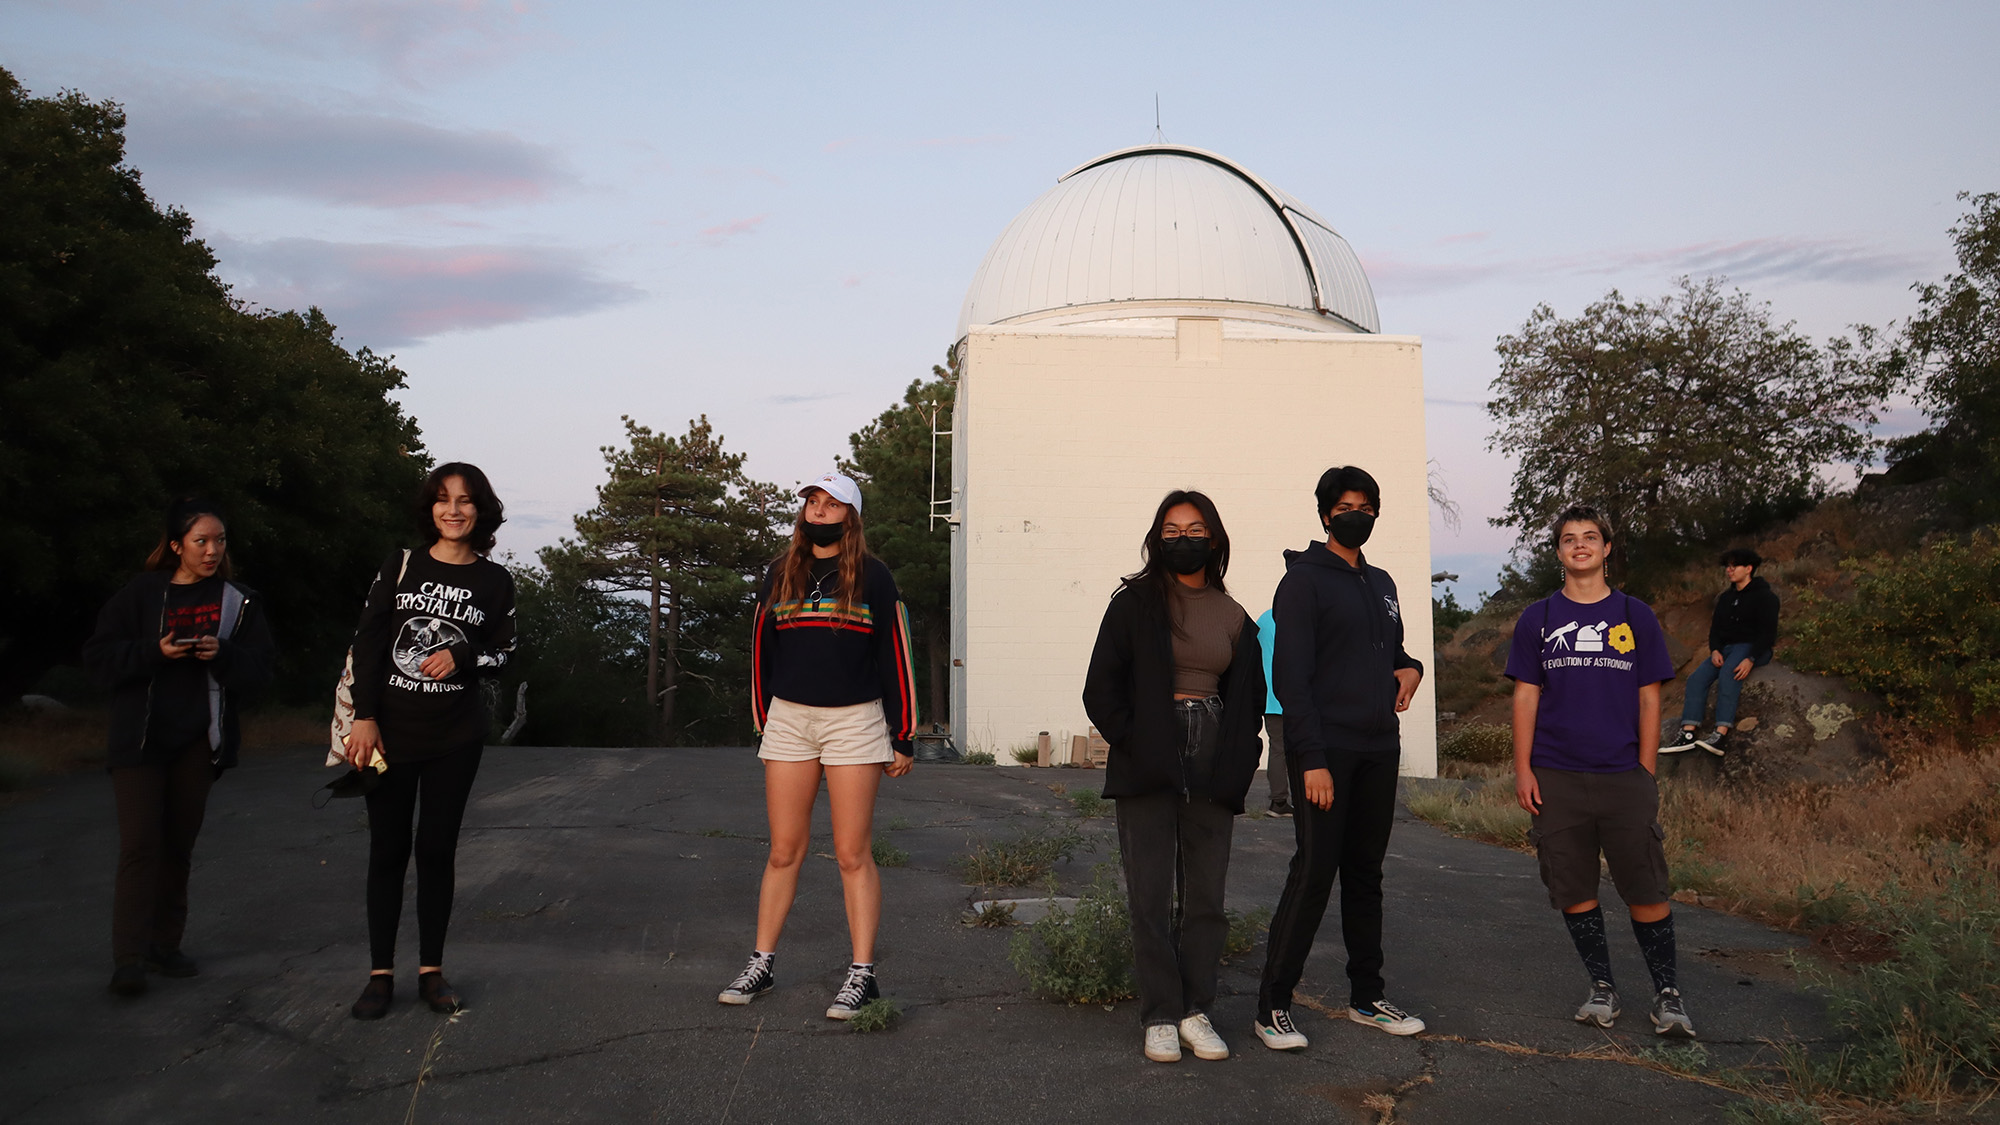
(605,896)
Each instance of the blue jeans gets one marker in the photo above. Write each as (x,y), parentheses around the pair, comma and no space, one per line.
(1727,688)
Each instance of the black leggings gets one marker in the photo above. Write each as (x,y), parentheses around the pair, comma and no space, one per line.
(441,785)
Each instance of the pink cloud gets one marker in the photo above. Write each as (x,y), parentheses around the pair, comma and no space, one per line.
(723,232)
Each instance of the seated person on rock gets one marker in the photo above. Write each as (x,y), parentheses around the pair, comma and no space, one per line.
(1740,638)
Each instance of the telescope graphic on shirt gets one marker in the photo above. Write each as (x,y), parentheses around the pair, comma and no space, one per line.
(1560,636)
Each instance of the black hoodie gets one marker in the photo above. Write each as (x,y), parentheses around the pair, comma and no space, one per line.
(1746,616)
(1338,641)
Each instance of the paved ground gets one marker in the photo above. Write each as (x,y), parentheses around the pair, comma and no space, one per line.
(606,895)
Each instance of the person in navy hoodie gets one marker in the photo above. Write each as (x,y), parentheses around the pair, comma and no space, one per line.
(1341,673)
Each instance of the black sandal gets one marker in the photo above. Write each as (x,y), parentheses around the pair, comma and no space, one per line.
(432,990)
(374,1001)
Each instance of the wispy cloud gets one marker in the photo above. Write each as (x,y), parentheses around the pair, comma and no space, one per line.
(803,399)
(734,228)
(1756,259)
(386,294)
(229,142)
(410,39)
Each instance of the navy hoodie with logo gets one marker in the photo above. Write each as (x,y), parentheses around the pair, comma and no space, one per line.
(1337,646)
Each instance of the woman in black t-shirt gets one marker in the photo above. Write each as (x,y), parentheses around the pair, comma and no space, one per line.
(176,646)
(436,620)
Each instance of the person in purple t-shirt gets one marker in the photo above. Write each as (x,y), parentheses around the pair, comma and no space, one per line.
(1587,663)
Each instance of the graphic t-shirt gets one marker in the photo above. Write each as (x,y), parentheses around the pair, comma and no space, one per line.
(178,713)
(467,610)
(1590,661)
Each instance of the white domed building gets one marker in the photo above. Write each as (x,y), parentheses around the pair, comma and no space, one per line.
(1162,318)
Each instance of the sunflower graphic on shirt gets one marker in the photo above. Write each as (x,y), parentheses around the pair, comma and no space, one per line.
(1621,637)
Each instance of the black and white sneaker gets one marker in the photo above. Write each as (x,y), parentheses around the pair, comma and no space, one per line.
(1716,743)
(1386,1016)
(1279,1032)
(754,981)
(1602,1007)
(1669,1018)
(1687,741)
(854,995)
(1281,808)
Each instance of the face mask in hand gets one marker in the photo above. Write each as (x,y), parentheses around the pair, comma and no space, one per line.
(824,534)
(1185,555)
(1351,529)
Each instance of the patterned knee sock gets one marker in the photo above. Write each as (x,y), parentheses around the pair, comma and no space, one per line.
(1656,941)
(1586,929)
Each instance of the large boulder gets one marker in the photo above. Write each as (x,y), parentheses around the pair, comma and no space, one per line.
(1791,726)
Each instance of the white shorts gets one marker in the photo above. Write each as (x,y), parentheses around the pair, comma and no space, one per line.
(856,735)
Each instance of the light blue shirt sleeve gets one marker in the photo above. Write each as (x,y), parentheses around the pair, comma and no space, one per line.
(1267,632)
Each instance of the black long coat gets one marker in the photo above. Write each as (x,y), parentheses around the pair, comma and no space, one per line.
(1129,695)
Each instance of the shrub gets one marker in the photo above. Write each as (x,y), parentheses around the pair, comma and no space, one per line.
(1089,802)
(1922,630)
(979,758)
(1025,754)
(875,1015)
(1245,929)
(1478,742)
(1027,858)
(1926,1022)
(888,854)
(991,915)
(1082,955)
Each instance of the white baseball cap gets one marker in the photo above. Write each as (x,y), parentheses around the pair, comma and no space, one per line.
(839,486)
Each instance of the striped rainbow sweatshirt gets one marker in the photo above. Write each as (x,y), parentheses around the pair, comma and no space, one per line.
(811,653)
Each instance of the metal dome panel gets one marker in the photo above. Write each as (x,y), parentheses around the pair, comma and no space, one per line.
(1164,223)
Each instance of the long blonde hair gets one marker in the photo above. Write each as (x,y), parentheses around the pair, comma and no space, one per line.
(794,567)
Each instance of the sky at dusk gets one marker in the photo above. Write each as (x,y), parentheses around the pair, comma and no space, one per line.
(554,215)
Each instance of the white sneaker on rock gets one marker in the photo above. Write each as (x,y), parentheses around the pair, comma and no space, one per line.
(1163,1043)
(1200,1037)
(1388,1017)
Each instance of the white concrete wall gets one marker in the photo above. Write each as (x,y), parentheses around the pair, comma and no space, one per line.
(1067,437)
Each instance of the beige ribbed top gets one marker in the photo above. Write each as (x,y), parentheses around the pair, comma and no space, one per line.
(1211,621)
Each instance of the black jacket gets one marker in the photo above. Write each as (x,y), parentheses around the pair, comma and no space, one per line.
(124,653)
(1129,693)
(1337,643)
(1746,616)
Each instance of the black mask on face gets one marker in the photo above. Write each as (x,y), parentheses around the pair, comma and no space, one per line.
(824,534)
(1351,529)
(1185,555)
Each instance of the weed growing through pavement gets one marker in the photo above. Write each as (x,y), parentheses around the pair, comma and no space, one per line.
(1025,859)
(888,854)
(1246,928)
(900,824)
(978,758)
(1025,753)
(1089,802)
(991,915)
(1082,955)
(875,1015)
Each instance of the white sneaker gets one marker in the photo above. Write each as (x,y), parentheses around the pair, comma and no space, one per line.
(1163,1043)
(1200,1037)
(1388,1017)
(1279,1032)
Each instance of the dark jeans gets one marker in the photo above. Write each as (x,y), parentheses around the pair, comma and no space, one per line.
(160,809)
(1728,688)
(1274,766)
(441,786)
(1175,850)
(1348,840)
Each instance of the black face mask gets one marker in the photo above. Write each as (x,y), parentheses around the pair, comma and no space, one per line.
(1351,529)
(1185,555)
(824,534)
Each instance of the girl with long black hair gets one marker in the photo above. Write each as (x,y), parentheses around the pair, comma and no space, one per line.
(1176,686)
(437,619)
(834,694)
(178,647)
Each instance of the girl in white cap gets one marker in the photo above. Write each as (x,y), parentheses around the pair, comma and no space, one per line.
(835,694)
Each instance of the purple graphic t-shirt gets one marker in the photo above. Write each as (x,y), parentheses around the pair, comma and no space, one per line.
(1590,661)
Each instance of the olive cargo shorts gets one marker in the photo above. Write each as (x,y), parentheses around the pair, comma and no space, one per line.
(1617,814)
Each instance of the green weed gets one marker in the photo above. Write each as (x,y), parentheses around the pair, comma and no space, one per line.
(978,758)
(1089,802)
(1246,929)
(888,854)
(1026,754)
(875,1015)
(991,915)
(1082,955)
(1025,859)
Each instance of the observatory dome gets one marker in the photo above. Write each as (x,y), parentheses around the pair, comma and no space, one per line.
(1142,231)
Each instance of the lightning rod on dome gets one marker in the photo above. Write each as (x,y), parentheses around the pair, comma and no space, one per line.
(1158,133)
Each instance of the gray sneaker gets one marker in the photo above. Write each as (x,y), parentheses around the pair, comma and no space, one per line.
(1602,1008)
(1669,1018)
